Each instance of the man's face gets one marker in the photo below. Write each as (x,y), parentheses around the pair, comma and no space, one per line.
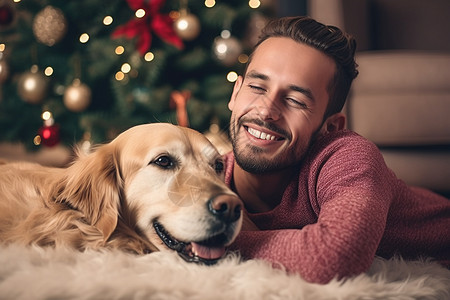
(278,107)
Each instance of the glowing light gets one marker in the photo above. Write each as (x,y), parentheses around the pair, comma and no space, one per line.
(84,38)
(210,3)
(140,13)
(254,3)
(222,48)
(126,68)
(46,115)
(2,47)
(17,1)
(29,84)
(225,34)
(182,24)
(48,71)
(232,76)
(37,140)
(149,56)
(107,20)
(46,133)
(120,76)
(243,58)
(119,50)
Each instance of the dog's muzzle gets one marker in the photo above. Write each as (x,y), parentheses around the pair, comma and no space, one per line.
(226,210)
(206,252)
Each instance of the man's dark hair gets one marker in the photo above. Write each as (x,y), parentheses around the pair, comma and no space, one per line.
(331,41)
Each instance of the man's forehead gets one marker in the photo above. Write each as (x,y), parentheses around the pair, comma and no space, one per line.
(300,67)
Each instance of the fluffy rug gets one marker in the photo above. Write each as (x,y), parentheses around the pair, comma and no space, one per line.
(33,273)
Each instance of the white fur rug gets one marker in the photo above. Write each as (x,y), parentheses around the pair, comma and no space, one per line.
(32,273)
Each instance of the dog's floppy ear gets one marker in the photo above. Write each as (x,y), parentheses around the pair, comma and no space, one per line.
(93,186)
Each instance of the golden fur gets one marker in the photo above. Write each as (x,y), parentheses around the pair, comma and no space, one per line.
(112,196)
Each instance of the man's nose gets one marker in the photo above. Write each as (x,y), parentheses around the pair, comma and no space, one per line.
(268,110)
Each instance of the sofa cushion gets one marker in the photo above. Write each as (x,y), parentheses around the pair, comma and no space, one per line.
(401,98)
(402,119)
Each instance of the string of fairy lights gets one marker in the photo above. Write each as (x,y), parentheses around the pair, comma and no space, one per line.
(77,96)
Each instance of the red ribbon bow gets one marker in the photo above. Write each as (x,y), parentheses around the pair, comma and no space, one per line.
(153,21)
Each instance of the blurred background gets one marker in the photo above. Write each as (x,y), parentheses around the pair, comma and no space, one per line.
(82,71)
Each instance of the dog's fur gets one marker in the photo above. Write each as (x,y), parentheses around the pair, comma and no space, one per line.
(112,196)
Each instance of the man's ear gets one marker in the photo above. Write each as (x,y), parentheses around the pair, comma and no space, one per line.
(333,123)
(236,88)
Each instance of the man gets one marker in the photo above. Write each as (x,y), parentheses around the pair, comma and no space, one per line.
(322,199)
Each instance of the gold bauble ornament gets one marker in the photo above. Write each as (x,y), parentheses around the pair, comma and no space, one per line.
(32,86)
(49,26)
(187,27)
(77,96)
(227,48)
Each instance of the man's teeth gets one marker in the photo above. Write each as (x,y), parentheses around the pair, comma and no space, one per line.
(261,135)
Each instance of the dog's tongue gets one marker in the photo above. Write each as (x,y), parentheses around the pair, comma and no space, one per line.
(208,252)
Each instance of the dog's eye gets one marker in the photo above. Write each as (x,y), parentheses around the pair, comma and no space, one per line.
(219,166)
(165,162)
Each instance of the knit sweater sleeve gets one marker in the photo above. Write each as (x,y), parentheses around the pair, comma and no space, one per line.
(349,188)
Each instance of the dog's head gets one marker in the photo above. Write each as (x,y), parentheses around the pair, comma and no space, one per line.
(166,182)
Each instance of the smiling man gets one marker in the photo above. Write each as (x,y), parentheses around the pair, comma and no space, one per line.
(323,201)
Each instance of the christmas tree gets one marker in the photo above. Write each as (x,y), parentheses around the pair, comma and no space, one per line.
(89,69)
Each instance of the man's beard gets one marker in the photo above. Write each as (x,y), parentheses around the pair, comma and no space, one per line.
(249,157)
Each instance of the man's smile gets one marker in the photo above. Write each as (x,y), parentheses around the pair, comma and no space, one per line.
(262,135)
(263,131)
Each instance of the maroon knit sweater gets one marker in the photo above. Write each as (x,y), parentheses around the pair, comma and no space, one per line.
(343,207)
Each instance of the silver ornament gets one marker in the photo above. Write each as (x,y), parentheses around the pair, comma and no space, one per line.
(187,27)
(227,48)
(77,96)
(33,86)
(49,26)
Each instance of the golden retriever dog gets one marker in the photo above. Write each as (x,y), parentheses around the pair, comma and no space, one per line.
(154,187)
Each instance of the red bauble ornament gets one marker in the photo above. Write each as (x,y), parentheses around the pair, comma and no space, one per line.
(49,135)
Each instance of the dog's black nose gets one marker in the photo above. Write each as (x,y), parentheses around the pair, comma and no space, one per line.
(225,207)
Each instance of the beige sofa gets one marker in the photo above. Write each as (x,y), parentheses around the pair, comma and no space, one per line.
(401,98)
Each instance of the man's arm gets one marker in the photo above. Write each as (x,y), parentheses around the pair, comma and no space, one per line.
(353,190)
(342,243)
